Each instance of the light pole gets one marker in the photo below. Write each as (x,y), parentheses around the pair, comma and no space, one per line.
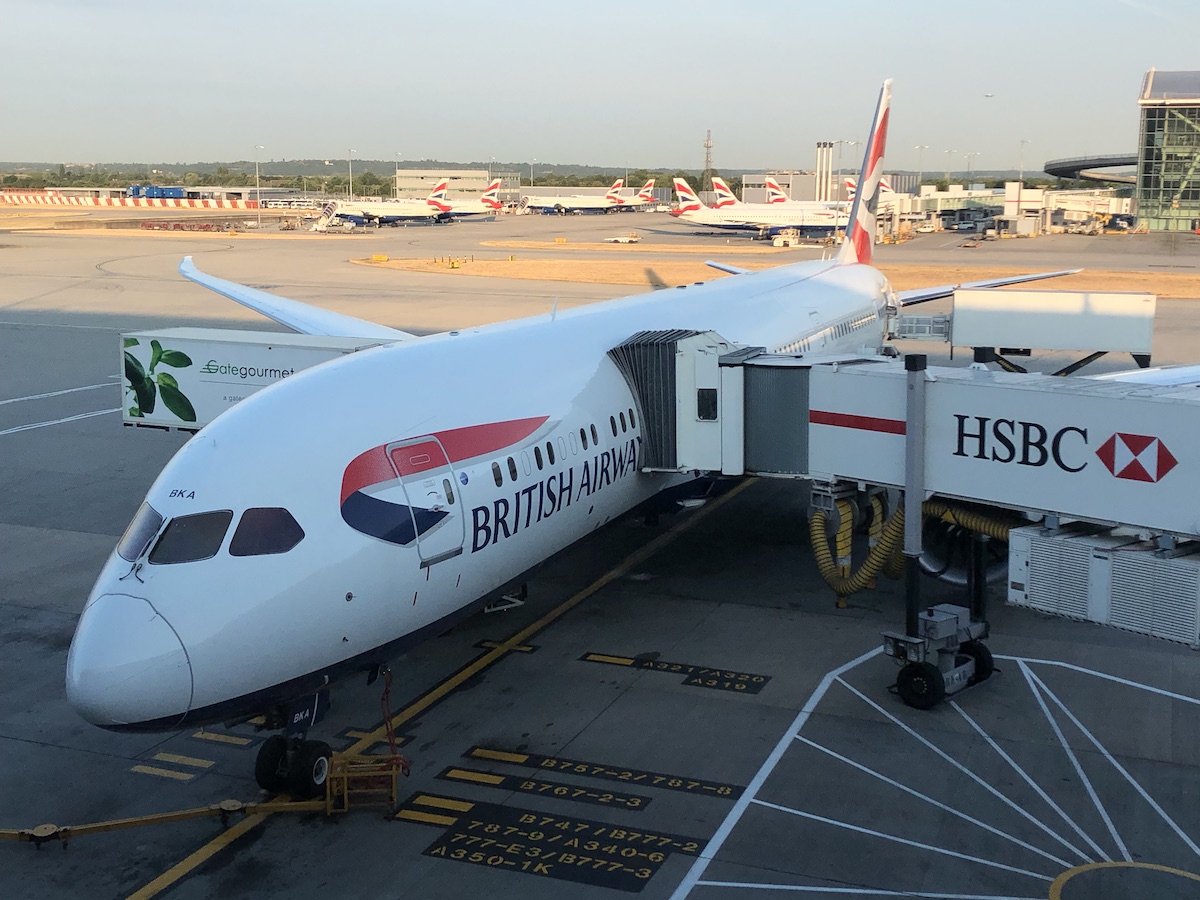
(350,166)
(531,171)
(257,191)
(1021,177)
(920,148)
(949,153)
(396,183)
(970,156)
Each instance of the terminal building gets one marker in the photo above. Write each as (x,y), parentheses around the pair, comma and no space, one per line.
(1168,159)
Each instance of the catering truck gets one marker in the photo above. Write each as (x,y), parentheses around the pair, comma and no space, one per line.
(186,377)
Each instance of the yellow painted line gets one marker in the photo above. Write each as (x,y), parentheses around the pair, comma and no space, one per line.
(615,660)
(205,853)
(163,773)
(444,803)
(1059,882)
(358,734)
(223,738)
(415,815)
(491,645)
(631,561)
(184,760)
(257,720)
(499,755)
(471,775)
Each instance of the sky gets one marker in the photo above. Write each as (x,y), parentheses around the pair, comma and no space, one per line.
(617,84)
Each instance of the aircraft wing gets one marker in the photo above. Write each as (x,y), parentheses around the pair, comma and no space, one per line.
(300,317)
(924,295)
(726,267)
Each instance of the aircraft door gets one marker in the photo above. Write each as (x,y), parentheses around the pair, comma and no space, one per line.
(431,487)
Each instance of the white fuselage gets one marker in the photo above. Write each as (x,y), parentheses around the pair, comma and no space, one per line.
(759,216)
(399,540)
(571,203)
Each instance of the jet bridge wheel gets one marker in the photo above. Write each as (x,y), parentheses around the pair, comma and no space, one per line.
(309,769)
(921,685)
(984,664)
(270,766)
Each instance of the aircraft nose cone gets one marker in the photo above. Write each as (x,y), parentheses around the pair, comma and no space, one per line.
(126,666)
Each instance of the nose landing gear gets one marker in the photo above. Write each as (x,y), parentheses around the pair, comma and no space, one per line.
(289,762)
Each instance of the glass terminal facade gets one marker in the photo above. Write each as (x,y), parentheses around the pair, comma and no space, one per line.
(1168,177)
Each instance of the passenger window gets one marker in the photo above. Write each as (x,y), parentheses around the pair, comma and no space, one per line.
(550,451)
(583,438)
(595,436)
(266,530)
(525,462)
(706,404)
(562,445)
(140,532)
(449,489)
(612,421)
(623,427)
(512,468)
(192,538)
(537,457)
(632,420)
(497,475)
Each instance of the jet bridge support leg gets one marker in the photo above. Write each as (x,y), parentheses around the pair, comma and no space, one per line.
(941,649)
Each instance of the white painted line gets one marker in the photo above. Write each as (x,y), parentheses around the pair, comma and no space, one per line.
(942,806)
(1029,781)
(979,781)
(1105,676)
(713,847)
(1116,765)
(858,892)
(899,840)
(90,387)
(1029,679)
(30,427)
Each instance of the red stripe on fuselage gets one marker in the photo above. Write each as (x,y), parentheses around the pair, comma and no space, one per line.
(860,423)
(374,467)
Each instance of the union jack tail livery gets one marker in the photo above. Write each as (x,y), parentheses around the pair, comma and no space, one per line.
(688,200)
(614,192)
(491,197)
(861,233)
(725,196)
(647,191)
(885,186)
(775,194)
(437,197)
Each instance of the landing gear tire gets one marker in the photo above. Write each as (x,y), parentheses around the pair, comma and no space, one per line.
(921,685)
(984,664)
(270,766)
(309,770)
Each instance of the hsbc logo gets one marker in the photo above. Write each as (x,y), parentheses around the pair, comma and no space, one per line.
(1136,457)
(1131,457)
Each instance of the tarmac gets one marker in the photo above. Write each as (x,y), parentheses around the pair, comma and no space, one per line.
(679,710)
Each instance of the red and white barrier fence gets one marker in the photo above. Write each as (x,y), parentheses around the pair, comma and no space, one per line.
(46,198)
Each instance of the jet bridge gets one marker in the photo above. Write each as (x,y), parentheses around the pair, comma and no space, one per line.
(1107,469)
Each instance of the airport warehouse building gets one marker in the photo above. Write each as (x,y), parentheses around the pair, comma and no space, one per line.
(1168,173)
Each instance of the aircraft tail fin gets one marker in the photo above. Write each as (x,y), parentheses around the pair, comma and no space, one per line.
(491,197)
(860,235)
(689,200)
(775,194)
(614,192)
(725,196)
(647,191)
(437,197)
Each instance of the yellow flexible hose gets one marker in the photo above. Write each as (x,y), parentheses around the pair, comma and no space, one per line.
(843,585)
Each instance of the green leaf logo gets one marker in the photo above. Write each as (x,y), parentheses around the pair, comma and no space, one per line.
(130,342)
(176,402)
(177,359)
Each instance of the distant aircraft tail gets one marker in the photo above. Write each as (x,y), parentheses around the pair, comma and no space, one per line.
(491,197)
(437,197)
(861,231)
(775,194)
(885,186)
(647,191)
(614,192)
(725,196)
(689,201)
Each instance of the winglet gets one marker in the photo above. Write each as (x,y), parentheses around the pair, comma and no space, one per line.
(725,267)
(861,235)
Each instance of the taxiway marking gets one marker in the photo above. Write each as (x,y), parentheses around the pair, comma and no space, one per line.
(187,865)
(48,394)
(33,425)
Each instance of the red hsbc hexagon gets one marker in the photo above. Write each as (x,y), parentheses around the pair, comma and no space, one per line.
(1136,457)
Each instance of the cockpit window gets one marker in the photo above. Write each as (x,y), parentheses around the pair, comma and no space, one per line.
(264,531)
(190,538)
(137,536)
